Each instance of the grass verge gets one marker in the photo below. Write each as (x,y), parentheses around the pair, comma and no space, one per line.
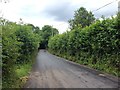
(23,71)
(20,76)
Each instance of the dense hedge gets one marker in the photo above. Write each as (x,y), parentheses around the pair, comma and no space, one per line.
(18,44)
(30,42)
(97,45)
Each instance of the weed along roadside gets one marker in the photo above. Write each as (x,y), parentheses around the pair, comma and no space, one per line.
(23,71)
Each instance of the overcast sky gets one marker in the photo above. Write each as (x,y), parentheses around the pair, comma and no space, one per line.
(53,12)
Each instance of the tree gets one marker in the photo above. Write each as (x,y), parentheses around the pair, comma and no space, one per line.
(81,18)
(47,32)
(54,31)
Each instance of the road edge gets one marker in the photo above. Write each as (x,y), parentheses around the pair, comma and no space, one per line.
(95,71)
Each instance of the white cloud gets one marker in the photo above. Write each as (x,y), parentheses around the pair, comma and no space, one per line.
(34,11)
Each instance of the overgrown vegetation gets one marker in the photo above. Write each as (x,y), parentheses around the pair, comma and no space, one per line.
(97,45)
(20,45)
(90,42)
(19,42)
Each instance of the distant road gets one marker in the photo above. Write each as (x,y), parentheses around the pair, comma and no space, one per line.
(50,71)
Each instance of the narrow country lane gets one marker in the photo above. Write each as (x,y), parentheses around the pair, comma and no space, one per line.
(50,71)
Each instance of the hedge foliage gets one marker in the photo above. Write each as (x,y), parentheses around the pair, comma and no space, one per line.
(18,43)
(97,45)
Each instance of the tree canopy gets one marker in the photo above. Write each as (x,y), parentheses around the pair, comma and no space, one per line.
(82,18)
(47,32)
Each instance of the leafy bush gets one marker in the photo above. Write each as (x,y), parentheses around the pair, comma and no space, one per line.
(97,45)
(30,42)
(19,42)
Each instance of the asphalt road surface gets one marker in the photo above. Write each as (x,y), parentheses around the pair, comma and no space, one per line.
(50,71)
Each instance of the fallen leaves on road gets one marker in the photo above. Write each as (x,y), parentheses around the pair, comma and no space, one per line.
(24,79)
